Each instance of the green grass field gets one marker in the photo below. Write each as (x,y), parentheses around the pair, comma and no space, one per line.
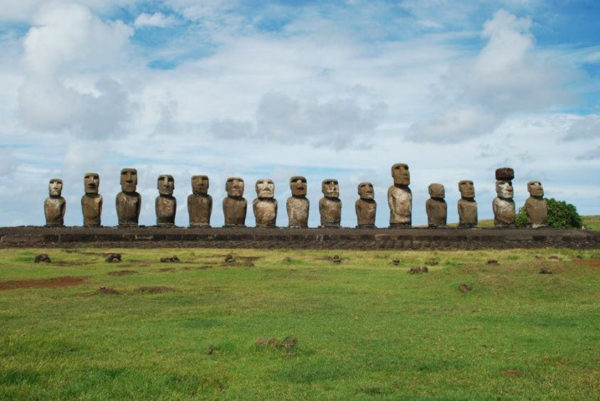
(303,328)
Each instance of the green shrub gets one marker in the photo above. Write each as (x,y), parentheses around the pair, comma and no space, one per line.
(560,215)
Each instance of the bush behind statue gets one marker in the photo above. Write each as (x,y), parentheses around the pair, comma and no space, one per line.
(560,215)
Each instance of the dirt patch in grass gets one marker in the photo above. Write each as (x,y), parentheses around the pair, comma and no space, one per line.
(167,269)
(588,262)
(512,372)
(122,272)
(65,281)
(154,289)
(287,344)
(107,291)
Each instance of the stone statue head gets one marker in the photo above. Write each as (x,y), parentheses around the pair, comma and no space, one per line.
(265,188)
(55,187)
(535,189)
(200,184)
(298,186)
(91,183)
(504,189)
(401,174)
(330,188)
(466,188)
(165,184)
(234,186)
(437,191)
(365,190)
(128,180)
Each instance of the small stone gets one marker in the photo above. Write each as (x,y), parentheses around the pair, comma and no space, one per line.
(492,262)
(172,259)
(464,288)
(42,257)
(336,259)
(553,257)
(414,270)
(432,261)
(209,351)
(113,258)
(229,258)
(287,259)
(424,269)
(396,262)
(545,270)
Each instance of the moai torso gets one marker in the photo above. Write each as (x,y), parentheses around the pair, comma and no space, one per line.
(330,206)
(199,209)
(265,212)
(234,211)
(166,207)
(91,207)
(437,211)
(400,197)
(91,202)
(400,203)
(234,205)
(54,210)
(365,206)
(467,213)
(504,212)
(128,208)
(55,205)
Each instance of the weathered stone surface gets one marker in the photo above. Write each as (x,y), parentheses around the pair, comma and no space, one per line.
(467,206)
(536,206)
(165,204)
(330,206)
(91,202)
(505,174)
(503,205)
(297,205)
(234,205)
(265,206)
(365,206)
(199,202)
(55,205)
(128,201)
(437,210)
(400,197)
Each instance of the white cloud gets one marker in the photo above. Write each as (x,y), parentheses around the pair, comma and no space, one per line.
(67,41)
(154,20)
(584,127)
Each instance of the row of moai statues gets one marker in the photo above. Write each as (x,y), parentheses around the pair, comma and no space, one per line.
(128,202)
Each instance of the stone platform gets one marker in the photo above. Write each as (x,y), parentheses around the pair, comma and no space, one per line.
(310,238)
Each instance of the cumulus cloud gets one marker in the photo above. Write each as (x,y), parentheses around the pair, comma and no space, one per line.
(584,127)
(66,42)
(282,119)
(507,76)
(154,20)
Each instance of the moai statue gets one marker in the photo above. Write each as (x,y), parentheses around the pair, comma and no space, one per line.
(536,206)
(330,206)
(365,206)
(199,202)
(234,205)
(91,202)
(165,204)
(467,207)
(436,207)
(400,197)
(128,201)
(297,204)
(503,204)
(55,205)
(265,205)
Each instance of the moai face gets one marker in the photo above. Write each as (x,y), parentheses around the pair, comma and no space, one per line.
(535,189)
(504,189)
(330,188)
(165,184)
(298,186)
(437,191)
(91,183)
(128,180)
(265,188)
(200,184)
(234,187)
(466,188)
(401,174)
(365,190)
(55,187)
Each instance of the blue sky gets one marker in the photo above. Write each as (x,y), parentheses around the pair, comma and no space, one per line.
(340,89)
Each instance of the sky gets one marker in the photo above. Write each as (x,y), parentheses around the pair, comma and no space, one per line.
(336,89)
